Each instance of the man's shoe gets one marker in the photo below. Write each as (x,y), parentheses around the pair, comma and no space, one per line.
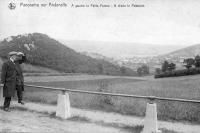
(22,103)
(7,109)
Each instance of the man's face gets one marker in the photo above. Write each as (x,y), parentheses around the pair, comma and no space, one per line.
(14,57)
(19,57)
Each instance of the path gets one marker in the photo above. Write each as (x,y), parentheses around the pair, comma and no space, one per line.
(41,117)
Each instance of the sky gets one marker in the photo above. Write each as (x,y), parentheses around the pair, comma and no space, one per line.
(161,22)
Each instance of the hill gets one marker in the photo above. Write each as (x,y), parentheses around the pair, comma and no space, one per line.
(42,50)
(101,57)
(190,51)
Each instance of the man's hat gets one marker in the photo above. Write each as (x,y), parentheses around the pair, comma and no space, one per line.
(20,53)
(12,53)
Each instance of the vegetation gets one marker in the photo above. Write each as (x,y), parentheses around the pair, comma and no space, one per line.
(197,61)
(143,70)
(166,66)
(192,66)
(189,63)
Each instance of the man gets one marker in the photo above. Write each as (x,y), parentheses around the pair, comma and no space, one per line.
(19,77)
(8,79)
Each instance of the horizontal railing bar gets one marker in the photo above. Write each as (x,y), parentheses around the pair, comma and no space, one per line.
(116,94)
(89,92)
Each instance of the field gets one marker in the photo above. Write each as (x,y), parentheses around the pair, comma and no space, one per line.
(181,87)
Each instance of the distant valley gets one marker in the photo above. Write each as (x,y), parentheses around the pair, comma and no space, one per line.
(134,61)
(121,49)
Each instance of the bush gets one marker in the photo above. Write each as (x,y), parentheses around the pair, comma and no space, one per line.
(104,99)
(176,73)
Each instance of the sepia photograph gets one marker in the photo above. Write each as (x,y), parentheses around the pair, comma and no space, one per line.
(100,66)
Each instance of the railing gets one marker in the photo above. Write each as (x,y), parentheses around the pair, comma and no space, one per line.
(116,94)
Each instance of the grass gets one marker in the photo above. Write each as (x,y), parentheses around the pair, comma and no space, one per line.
(167,131)
(5,130)
(79,118)
(128,128)
(182,87)
(135,129)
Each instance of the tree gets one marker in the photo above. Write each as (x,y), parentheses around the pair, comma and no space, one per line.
(197,61)
(171,66)
(165,66)
(123,70)
(100,68)
(158,70)
(139,71)
(189,62)
(144,69)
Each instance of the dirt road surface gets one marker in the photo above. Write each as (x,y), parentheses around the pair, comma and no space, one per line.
(34,117)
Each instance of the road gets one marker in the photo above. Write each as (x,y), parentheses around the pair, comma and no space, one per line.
(34,117)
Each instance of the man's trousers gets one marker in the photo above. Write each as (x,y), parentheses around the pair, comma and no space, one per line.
(19,89)
(6,102)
